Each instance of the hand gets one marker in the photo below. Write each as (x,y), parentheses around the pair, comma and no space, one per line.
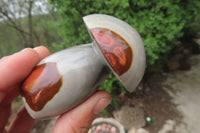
(13,70)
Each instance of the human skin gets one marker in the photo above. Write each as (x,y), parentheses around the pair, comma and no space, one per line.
(14,69)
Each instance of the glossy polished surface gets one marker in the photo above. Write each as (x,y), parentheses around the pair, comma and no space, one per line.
(65,79)
(41,85)
(82,71)
(133,72)
(115,49)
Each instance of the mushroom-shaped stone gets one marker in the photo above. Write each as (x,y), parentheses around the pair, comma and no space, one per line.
(66,78)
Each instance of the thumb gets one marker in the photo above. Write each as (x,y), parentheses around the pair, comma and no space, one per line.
(79,119)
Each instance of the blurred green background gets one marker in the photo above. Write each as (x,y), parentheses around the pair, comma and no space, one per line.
(58,24)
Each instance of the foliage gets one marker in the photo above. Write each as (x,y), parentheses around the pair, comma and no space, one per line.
(45,27)
(112,86)
(7,38)
(161,24)
(26,23)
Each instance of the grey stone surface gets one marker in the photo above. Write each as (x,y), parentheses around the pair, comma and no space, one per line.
(44,126)
(185,92)
(130,117)
(140,130)
(132,130)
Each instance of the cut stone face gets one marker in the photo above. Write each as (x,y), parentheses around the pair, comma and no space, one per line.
(115,49)
(121,47)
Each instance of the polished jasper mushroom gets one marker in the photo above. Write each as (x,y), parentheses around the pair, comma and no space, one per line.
(66,78)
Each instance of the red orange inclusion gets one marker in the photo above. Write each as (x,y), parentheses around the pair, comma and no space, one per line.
(115,49)
(118,51)
(104,39)
(41,85)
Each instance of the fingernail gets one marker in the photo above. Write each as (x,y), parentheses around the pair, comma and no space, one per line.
(101,104)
